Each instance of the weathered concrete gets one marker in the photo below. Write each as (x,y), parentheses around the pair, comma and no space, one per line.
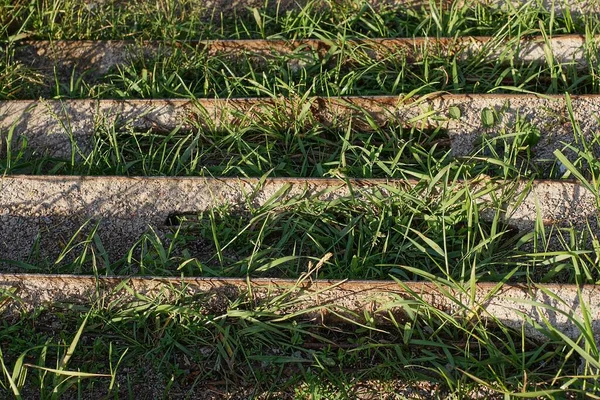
(56,127)
(100,56)
(560,306)
(55,207)
(59,127)
(51,209)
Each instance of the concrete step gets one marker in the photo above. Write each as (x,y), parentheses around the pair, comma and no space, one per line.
(517,306)
(62,57)
(56,127)
(50,210)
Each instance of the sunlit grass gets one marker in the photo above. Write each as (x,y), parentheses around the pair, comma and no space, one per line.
(183,344)
(438,230)
(344,70)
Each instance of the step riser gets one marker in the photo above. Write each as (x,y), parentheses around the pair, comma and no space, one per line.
(101,56)
(56,207)
(52,127)
(322,300)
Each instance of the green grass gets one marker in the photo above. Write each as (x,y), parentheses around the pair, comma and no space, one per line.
(182,345)
(370,235)
(285,143)
(68,19)
(345,69)
(306,148)
(172,345)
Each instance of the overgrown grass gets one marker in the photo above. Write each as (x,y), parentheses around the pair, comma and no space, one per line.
(185,20)
(177,344)
(344,70)
(285,142)
(437,225)
(252,150)
(184,345)
(369,233)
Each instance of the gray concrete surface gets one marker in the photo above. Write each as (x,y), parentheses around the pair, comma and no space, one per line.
(62,57)
(548,114)
(56,127)
(51,209)
(560,306)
